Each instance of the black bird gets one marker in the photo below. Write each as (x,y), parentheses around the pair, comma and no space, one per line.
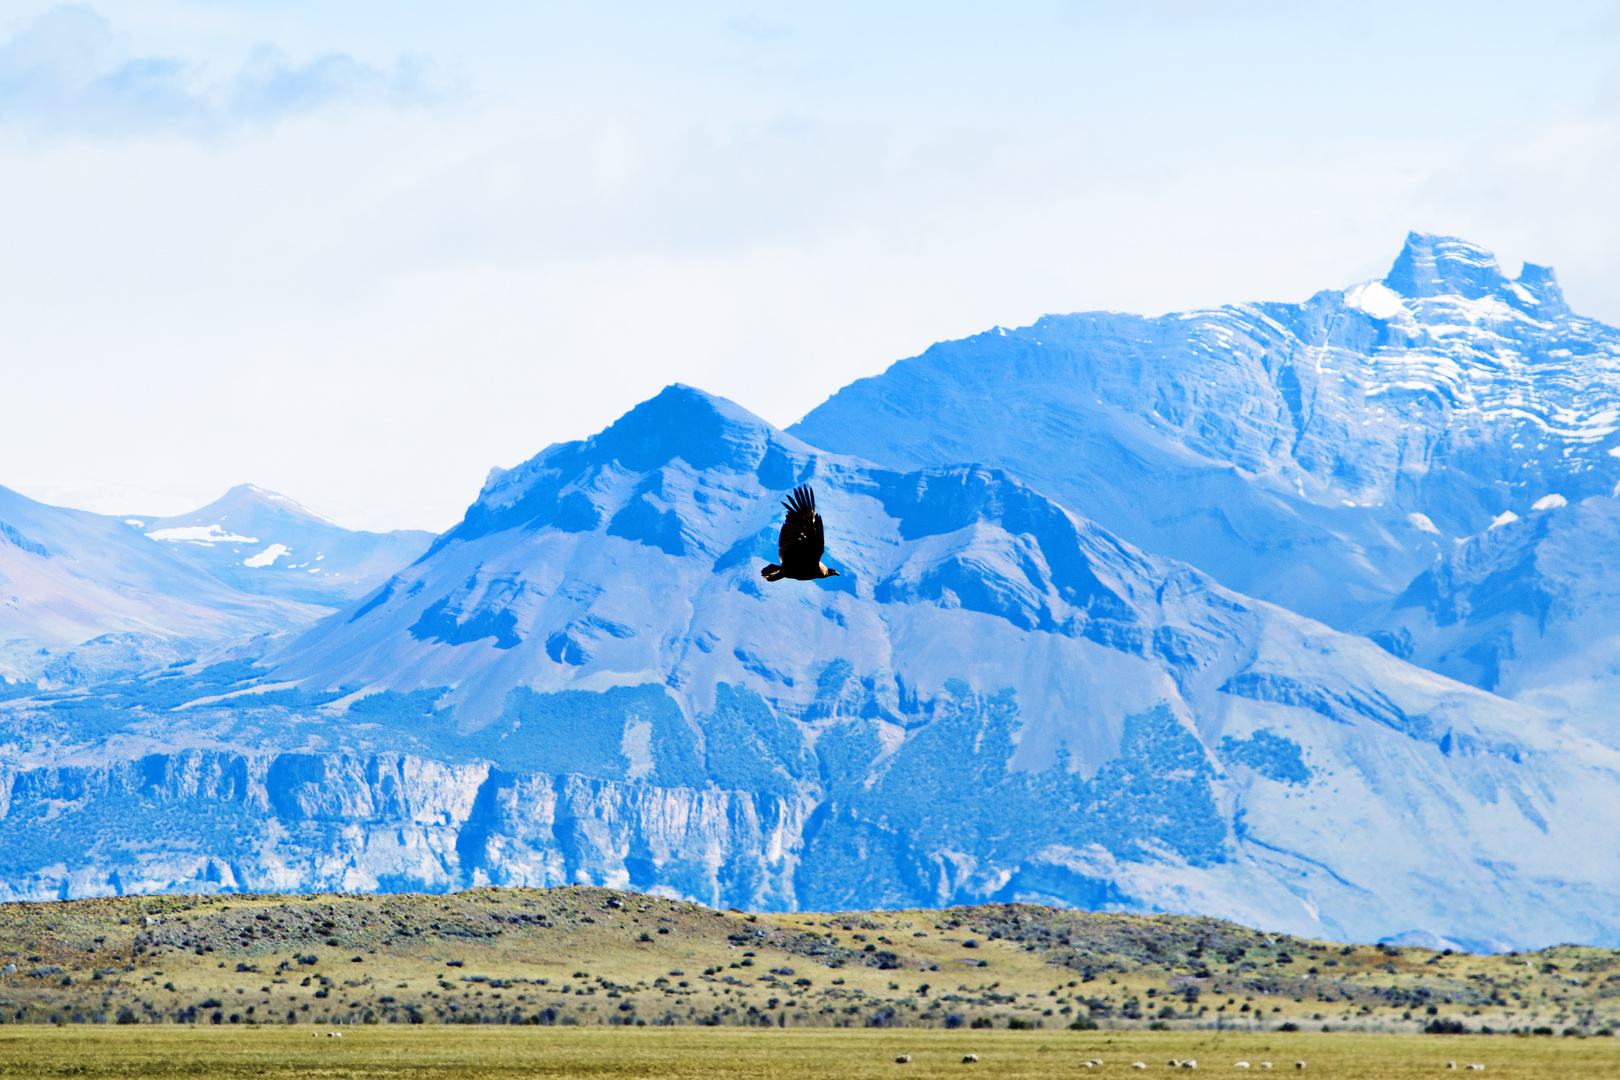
(801,543)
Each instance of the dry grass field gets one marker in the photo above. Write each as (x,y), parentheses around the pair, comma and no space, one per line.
(581,981)
(495,1053)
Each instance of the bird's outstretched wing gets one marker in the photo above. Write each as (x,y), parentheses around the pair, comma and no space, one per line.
(801,542)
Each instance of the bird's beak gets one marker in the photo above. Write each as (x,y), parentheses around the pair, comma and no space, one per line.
(831,572)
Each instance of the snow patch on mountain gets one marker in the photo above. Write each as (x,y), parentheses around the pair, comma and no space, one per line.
(268,556)
(200,534)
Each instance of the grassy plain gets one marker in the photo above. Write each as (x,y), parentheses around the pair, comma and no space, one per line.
(496,1053)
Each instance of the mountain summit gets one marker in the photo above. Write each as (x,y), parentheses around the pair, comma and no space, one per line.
(265,543)
(1446,266)
(1321,455)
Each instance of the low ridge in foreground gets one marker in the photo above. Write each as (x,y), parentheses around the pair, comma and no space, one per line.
(587,956)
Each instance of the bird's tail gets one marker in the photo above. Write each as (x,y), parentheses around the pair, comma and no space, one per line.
(772,572)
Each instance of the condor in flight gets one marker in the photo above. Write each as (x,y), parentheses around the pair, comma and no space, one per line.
(801,543)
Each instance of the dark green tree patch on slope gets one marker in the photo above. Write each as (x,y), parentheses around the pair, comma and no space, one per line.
(1273,756)
(950,783)
(1157,792)
(748,747)
(845,752)
(569,731)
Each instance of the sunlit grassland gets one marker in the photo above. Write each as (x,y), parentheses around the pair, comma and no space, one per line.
(473,1053)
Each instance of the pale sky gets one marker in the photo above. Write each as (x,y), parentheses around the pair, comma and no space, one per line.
(359,253)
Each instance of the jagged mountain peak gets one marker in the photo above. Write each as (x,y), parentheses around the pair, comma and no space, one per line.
(576,485)
(702,429)
(1430,265)
(1282,448)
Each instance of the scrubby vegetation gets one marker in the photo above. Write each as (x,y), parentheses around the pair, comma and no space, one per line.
(580,956)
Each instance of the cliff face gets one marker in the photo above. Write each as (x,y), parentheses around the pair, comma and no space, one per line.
(212,820)
(1297,780)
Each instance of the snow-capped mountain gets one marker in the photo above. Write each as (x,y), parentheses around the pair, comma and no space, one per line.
(84,596)
(995,698)
(587,679)
(262,542)
(1319,455)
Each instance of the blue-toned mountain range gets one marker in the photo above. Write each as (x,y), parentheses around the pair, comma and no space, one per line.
(1000,696)
(1320,455)
(86,596)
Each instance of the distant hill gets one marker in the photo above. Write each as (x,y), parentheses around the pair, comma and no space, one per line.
(84,596)
(999,698)
(573,956)
(264,543)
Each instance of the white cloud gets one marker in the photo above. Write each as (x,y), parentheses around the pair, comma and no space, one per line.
(366,306)
(68,72)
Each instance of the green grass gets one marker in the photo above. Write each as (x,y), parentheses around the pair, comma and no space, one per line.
(487,1053)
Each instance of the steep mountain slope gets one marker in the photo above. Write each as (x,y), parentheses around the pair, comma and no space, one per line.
(1319,455)
(73,582)
(1529,608)
(997,698)
(261,542)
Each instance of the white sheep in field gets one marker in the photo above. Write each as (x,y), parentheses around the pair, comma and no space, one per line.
(970,1059)
(1240,1064)
(903,1059)
(1299,1064)
(1174,1063)
(1189,1064)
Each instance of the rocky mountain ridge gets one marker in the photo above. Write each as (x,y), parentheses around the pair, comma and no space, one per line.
(1320,455)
